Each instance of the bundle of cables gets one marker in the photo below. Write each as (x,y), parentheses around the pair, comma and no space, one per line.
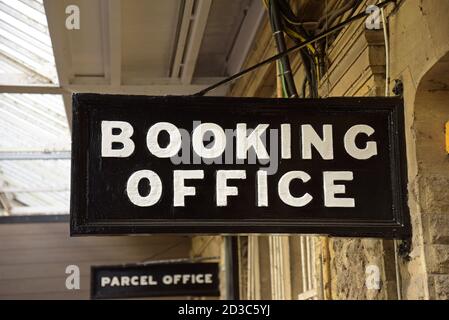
(284,20)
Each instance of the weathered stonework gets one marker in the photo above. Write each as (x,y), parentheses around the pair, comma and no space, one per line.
(434,195)
(438,259)
(419,57)
(419,40)
(437,226)
(441,287)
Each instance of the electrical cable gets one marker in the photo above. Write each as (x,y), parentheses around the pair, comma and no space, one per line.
(309,56)
(337,13)
(387,93)
(178,260)
(328,20)
(292,26)
(307,68)
(281,75)
(387,54)
(301,45)
(276,26)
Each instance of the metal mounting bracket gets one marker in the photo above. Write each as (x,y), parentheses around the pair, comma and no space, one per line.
(398,88)
(404,249)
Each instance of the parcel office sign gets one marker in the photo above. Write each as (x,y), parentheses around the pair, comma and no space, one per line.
(238,165)
(155,280)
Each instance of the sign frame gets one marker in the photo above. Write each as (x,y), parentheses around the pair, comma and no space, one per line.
(160,291)
(399,227)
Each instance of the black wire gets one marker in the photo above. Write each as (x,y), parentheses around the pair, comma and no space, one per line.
(289,50)
(310,71)
(307,67)
(356,5)
(304,86)
(313,86)
(277,28)
(293,22)
(330,17)
(288,12)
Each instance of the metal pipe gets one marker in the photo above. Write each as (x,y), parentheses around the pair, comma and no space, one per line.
(231,267)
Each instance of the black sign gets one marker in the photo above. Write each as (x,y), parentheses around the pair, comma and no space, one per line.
(155,280)
(238,165)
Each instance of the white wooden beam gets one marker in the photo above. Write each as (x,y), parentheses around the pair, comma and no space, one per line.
(163,86)
(55,12)
(37,210)
(186,20)
(31,189)
(32,89)
(245,38)
(34,155)
(112,24)
(67,99)
(5,203)
(196,37)
(24,79)
(156,90)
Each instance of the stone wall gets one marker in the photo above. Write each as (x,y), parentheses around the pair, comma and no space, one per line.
(419,43)
(431,113)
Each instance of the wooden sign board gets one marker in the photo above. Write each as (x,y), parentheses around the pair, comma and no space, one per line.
(155,280)
(216,165)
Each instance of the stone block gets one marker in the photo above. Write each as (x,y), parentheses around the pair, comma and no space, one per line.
(434,194)
(437,227)
(441,287)
(438,259)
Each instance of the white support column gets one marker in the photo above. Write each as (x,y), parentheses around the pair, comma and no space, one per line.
(38,210)
(182,38)
(6,205)
(152,89)
(197,32)
(112,15)
(32,89)
(55,12)
(280,267)
(245,38)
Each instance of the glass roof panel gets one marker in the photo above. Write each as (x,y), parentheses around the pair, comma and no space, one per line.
(26,54)
(34,132)
(32,124)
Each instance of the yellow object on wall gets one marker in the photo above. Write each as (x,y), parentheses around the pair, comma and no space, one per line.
(447,137)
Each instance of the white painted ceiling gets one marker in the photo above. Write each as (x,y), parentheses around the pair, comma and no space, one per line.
(154,47)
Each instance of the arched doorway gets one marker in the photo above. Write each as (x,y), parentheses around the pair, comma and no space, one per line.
(430,116)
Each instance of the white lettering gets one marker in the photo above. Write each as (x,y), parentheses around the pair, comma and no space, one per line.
(132,188)
(286,152)
(245,142)
(323,146)
(262,188)
(331,189)
(284,189)
(219,143)
(223,190)
(351,148)
(105,281)
(179,189)
(174,144)
(108,138)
